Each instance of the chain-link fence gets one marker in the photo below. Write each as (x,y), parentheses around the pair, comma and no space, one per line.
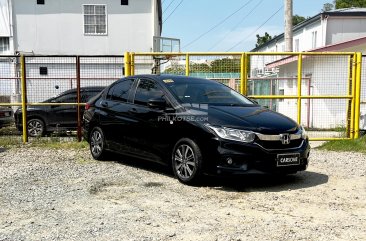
(56,88)
(363,97)
(9,98)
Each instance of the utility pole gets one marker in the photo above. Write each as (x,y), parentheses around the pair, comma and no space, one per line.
(288,26)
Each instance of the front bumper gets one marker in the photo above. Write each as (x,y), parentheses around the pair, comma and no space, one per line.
(253,157)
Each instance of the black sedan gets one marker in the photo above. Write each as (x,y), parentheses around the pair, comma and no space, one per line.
(195,125)
(50,118)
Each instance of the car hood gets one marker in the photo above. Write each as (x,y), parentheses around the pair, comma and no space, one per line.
(254,118)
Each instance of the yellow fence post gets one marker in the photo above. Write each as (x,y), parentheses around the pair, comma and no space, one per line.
(127,64)
(353,91)
(187,64)
(299,79)
(132,65)
(24,99)
(243,74)
(358,94)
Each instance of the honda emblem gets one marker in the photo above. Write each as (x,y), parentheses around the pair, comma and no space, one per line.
(285,139)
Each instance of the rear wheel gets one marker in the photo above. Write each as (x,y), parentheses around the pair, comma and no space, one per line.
(97,144)
(187,161)
(35,127)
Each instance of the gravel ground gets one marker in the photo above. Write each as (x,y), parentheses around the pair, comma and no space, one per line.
(65,195)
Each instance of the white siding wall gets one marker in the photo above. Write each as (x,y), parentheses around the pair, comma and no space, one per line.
(328,77)
(345,28)
(57,27)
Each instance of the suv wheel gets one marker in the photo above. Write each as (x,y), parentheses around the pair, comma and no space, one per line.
(35,127)
(97,144)
(187,161)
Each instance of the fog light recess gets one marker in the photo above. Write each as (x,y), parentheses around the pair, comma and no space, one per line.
(229,160)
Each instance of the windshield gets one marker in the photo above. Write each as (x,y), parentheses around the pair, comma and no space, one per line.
(207,93)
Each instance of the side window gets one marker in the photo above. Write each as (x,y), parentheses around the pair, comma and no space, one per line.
(87,95)
(119,92)
(68,98)
(147,89)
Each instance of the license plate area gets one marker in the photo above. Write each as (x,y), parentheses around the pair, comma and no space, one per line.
(288,159)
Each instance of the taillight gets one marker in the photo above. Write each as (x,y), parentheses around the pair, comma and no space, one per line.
(87,106)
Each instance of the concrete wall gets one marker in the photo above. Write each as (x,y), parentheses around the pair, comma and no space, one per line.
(57,27)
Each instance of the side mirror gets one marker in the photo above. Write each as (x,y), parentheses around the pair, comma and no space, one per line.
(157,103)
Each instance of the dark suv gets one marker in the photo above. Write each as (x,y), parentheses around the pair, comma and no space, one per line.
(195,125)
(43,119)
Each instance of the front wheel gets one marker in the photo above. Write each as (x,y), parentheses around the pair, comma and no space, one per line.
(97,144)
(36,128)
(187,161)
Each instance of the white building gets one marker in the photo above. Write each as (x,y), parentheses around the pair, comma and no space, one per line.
(341,30)
(81,27)
(74,27)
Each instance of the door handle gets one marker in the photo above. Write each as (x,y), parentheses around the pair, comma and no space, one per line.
(133,110)
(104,104)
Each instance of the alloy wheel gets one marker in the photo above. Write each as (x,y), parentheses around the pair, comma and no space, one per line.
(96,143)
(35,127)
(185,161)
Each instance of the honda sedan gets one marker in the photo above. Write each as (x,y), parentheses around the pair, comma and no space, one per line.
(196,126)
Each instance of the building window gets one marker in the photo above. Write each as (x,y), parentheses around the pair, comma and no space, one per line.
(297,45)
(124,2)
(4,44)
(40,1)
(43,70)
(95,19)
(314,37)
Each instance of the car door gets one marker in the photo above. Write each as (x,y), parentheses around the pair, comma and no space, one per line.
(149,128)
(113,112)
(64,115)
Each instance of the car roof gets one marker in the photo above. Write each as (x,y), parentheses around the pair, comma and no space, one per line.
(166,78)
(87,88)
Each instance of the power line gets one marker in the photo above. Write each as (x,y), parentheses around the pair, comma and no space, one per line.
(218,24)
(251,11)
(173,10)
(255,30)
(168,6)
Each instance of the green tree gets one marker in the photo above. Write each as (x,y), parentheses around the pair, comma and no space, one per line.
(337,4)
(296,19)
(199,68)
(328,7)
(263,39)
(226,65)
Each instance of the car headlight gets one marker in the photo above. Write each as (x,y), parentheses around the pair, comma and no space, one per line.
(233,134)
(304,135)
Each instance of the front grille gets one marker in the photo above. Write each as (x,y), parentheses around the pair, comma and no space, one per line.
(277,145)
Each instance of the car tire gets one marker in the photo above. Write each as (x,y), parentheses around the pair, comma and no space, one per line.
(35,127)
(97,144)
(187,161)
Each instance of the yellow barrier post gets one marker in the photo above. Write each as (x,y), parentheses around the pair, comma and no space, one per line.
(243,72)
(187,64)
(353,90)
(24,99)
(127,64)
(358,94)
(299,79)
(132,59)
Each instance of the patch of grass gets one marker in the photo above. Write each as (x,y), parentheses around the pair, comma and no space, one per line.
(358,145)
(43,142)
